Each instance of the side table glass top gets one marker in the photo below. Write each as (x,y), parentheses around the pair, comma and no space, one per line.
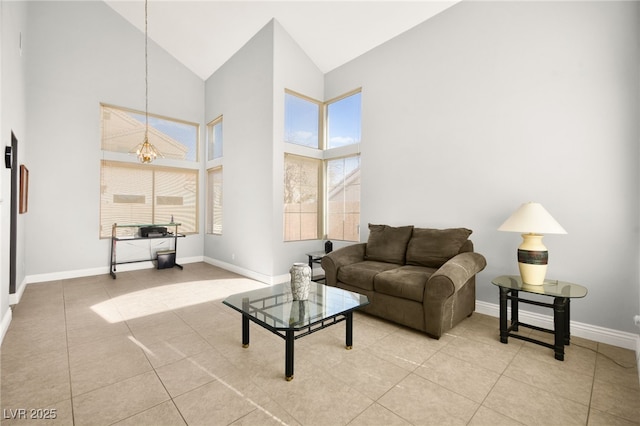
(552,288)
(275,307)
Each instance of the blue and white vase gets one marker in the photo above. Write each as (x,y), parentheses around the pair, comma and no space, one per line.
(300,281)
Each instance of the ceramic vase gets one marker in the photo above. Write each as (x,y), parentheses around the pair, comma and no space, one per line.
(300,281)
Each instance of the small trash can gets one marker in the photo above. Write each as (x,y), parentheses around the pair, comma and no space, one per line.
(166,259)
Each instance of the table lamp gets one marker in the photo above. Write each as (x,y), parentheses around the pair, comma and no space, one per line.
(532,220)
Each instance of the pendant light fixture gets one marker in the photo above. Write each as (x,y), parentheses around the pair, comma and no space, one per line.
(145,151)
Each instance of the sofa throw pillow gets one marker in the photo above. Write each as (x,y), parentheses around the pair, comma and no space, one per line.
(388,244)
(433,247)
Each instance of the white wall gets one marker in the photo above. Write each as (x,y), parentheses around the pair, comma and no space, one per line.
(12,118)
(492,104)
(82,54)
(241,91)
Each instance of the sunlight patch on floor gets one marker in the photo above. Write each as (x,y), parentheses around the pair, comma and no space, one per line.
(165,298)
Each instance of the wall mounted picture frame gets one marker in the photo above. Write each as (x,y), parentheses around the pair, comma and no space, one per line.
(24,189)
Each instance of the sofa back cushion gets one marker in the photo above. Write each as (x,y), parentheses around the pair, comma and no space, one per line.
(433,247)
(388,244)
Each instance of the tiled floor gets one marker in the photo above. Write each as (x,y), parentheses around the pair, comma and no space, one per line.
(158,347)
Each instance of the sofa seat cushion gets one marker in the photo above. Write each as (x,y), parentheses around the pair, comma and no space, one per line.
(361,274)
(406,282)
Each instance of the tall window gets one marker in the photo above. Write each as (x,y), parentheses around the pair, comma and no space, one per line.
(322,190)
(302,120)
(343,121)
(134,193)
(214,139)
(343,199)
(123,129)
(131,193)
(301,197)
(214,201)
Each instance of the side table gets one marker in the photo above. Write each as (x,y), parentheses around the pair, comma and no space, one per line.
(562,292)
(315,257)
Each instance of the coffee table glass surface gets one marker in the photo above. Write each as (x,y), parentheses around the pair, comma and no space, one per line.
(274,307)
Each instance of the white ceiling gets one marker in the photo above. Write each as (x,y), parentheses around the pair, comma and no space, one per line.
(204,34)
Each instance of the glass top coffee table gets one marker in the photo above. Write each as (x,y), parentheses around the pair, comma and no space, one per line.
(273,308)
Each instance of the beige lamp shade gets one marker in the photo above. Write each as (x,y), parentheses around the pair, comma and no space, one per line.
(532,220)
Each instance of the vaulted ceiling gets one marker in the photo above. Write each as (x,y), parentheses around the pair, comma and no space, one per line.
(204,34)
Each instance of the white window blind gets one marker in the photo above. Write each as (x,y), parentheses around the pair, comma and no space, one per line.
(138,194)
(214,201)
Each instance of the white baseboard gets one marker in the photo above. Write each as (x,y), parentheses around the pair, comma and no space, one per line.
(248,273)
(103,270)
(592,332)
(4,325)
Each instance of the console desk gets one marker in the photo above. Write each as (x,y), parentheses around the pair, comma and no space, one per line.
(133,235)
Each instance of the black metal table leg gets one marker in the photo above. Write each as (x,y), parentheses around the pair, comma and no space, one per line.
(504,333)
(567,319)
(245,331)
(288,368)
(514,310)
(559,319)
(349,334)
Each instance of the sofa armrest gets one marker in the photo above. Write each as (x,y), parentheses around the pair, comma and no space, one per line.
(343,256)
(451,276)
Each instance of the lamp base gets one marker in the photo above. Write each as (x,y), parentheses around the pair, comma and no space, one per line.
(532,259)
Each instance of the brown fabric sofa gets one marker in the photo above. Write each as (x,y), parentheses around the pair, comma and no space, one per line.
(419,277)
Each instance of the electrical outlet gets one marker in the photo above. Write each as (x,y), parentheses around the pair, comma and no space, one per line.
(636,320)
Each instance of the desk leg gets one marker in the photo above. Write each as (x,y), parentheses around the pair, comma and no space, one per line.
(245,331)
(567,320)
(504,333)
(559,320)
(349,335)
(311,265)
(288,366)
(514,311)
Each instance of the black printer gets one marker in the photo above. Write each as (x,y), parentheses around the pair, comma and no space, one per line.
(153,231)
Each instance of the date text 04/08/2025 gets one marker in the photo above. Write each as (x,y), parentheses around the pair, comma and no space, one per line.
(29,413)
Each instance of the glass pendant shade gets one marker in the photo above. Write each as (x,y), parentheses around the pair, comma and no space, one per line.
(146,152)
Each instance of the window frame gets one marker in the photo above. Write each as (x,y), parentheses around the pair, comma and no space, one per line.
(211,144)
(210,224)
(106,232)
(325,155)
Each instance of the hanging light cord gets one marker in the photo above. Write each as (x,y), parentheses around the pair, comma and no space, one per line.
(146,75)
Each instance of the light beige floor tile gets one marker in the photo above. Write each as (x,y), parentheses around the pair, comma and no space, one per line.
(459,376)
(103,371)
(530,405)
(486,416)
(268,413)
(119,400)
(103,349)
(599,418)
(185,375)
(577,359)
(35,381)
(620,371)
(423,402)
(553,378)
(215,402)
(58,413)
(376,414)
(176,348)
(164,414)
(488,356)
(94,332)
(370,375)
(617,400)
(408,353)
